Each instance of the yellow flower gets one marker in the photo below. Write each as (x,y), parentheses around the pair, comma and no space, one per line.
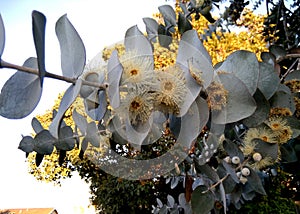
(263,163)
(137,71)
(264,134)
(280,128)
(171,90)
(137,106)
(217,96)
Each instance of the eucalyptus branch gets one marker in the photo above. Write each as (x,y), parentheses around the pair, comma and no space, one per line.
(51,75)
(216,184)
(226,176)
(289,70)
(287,57)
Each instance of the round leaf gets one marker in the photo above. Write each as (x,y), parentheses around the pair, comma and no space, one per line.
(73,54)
(44,142)
(244,65)
(240,104)
(66,140)
(202,200)
(268,80)
(21,93)
(137,42)
(261,113)
(26,144)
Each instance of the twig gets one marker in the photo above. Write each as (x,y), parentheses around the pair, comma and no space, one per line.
(51,75)
(289,70)
(287,57)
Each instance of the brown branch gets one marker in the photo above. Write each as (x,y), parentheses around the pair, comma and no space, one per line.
(287,57)
(51,75)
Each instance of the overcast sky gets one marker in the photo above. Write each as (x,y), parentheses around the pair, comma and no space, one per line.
(99,23)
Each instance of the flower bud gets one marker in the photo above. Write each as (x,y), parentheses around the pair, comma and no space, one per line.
(235,160)
(245,171)
(257,157)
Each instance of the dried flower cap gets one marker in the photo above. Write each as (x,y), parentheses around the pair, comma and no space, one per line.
(280,112)
(137,71)
(293,84)
(171,90)
(196,73)
(217,96)
(138,106)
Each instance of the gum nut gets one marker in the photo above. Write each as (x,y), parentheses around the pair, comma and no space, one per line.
(245,171)
(235,160)
(257,157)
(238,174)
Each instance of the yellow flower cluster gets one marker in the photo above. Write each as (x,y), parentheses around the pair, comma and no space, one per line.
(277,132)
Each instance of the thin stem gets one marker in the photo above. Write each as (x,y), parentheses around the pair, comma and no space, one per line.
(51,75)
(289,70)
(226,176)
(287,57)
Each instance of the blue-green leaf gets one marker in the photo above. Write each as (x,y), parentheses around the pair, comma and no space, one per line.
(190,46)
(66,139)
(255,182)
(282,99)
(262,111)
(240,104)
(151,28)
(268,81)
(136,41)
(168,13)
(21,93)
(38,30)
(26,144)
(73,54)
(244,65)
(44,142)
(93,135)
(183,24)
(96,105)
(2,36)
(80,121)
(36,125)
(114,74)
(66,101)
(202,200)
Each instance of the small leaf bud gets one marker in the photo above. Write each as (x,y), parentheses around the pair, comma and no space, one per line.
(257,157)
(245,171)
(235,160)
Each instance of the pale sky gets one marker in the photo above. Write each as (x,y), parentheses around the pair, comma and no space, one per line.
(99,23)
